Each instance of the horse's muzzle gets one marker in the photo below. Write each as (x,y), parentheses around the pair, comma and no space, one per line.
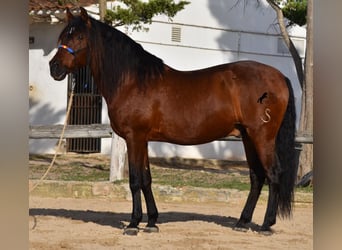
(57,71)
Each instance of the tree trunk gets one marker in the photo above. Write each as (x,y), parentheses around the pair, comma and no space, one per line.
(306,119)
(293,51)
(306,83)
(102,9)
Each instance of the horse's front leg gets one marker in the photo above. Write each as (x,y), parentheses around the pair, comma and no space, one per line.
(140,180)
(152,211)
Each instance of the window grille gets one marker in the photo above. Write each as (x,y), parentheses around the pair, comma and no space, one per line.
(86,109)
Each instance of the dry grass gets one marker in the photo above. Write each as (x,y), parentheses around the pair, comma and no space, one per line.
(174,171)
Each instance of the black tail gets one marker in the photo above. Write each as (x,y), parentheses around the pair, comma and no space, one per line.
(286,155)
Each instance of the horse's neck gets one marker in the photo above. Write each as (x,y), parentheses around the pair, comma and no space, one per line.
(110,95)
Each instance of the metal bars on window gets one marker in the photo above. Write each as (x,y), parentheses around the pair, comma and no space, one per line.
(86,109)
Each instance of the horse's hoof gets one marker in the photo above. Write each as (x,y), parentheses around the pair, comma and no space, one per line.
(153,229)
(266,231)
(131,231)
(240,229)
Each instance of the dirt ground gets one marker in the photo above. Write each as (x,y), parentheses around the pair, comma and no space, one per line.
(66,223)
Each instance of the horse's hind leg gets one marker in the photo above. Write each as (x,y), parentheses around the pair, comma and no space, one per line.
(257,178)
(271,165)
(273,196)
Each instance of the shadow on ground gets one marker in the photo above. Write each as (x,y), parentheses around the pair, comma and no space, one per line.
(119,220)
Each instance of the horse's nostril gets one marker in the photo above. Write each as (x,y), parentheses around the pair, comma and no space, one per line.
(54,64)
(57,71)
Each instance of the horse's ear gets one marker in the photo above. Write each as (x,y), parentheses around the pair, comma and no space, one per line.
(69,15)
(84,16)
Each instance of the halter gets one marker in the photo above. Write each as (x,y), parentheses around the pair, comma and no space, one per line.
(70,50)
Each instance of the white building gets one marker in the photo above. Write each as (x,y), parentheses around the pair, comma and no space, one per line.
(204,34)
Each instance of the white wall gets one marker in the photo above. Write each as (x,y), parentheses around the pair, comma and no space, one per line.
(212,32)
(47,97)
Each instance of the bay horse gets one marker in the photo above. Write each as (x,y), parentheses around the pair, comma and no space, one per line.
(150,101)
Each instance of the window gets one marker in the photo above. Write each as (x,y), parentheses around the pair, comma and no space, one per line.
(86,109)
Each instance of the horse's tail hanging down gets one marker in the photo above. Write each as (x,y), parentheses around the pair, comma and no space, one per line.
(285,146)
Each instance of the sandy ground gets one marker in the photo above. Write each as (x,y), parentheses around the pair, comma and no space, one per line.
(66,223)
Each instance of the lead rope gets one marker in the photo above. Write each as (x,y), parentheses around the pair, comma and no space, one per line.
(60,138)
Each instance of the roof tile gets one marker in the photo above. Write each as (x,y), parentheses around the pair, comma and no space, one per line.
(52,5)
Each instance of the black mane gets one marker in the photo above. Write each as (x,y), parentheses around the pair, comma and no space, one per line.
(114,57)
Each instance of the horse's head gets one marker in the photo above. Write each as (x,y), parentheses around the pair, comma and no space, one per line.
(73,46)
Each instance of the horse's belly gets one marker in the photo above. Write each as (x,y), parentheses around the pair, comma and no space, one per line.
(192,134)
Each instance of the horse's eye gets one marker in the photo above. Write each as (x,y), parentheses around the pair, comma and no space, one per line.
(80,37)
